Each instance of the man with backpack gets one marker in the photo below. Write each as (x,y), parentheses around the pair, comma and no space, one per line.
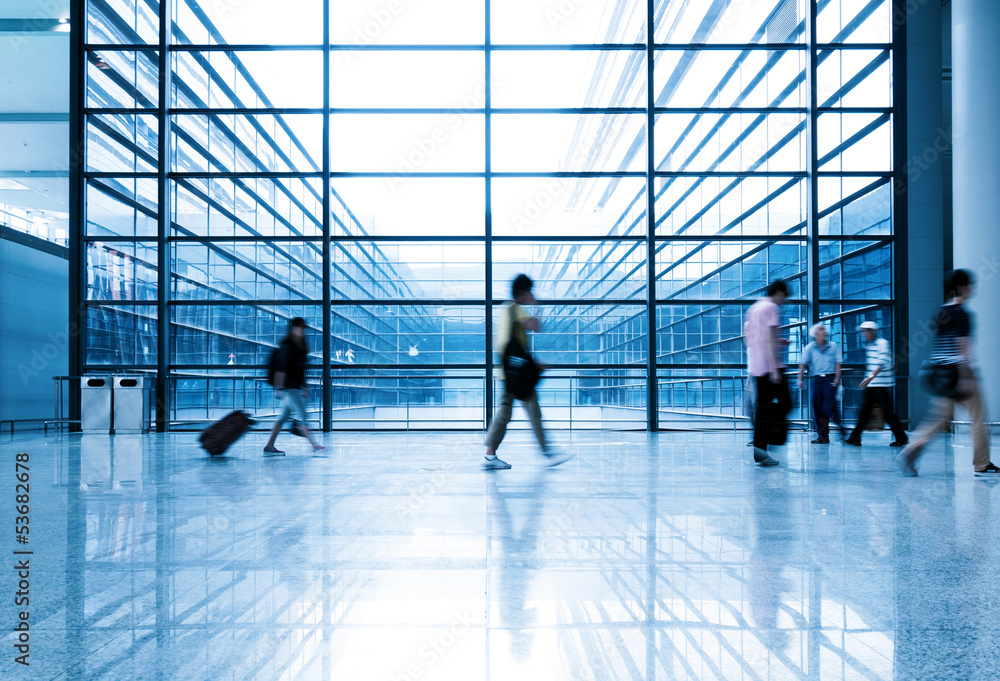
(286,371)
(521,374)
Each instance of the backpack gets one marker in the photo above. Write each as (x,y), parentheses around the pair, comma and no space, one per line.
(520,371)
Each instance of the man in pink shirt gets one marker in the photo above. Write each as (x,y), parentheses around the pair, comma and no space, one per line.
(773,400)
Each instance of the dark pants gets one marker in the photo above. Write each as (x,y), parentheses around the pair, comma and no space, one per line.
(766,410)
(883,398)
(824,403)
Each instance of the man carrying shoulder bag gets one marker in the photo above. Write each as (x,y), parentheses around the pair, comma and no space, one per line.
(521,374)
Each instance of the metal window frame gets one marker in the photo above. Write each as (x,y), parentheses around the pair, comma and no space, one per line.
(168,180)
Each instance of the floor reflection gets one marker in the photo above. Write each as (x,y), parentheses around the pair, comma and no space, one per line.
(646,557)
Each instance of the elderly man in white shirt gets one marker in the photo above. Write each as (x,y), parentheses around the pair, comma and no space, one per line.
(878,384)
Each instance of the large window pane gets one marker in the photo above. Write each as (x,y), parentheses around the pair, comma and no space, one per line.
(408,334)
(238,334)
(121,207)
(250,22)
(562,206)
(406,22)
(748,21)
(569,142)
(408,143)
(693,270)
(705,142)
(562,22)
(590,269)
(123,335)
(590,334)
(559,79)
(408,79)
(714,78)
(247,271)
(384,206)
(381,270)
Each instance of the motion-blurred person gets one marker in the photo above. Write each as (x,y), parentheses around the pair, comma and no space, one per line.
(877,386)
(952,348)
(773,401)
(514,324)
(289,379)
(823,359)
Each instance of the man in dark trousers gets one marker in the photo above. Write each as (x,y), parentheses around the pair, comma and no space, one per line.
(773,400)
(877,384)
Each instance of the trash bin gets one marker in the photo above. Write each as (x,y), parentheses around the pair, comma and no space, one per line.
(95,404)
(131,409)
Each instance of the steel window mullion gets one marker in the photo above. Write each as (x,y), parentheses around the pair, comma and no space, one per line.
(327,256)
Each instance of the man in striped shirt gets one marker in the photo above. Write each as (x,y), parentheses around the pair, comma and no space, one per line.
(878,384)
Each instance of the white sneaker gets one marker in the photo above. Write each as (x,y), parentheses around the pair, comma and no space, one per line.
(494,464)
(557,456)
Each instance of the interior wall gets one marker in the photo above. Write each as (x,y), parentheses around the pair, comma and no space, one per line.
(34,338)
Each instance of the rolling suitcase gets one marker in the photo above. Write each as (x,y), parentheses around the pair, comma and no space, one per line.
(217,438)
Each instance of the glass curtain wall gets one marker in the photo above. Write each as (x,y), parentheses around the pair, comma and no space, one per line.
(384,168)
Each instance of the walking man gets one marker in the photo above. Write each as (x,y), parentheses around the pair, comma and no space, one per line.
(515,322)
(823,359)
(773,401)
(878,384)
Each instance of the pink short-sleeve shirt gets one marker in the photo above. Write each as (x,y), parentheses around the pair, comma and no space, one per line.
(761,318)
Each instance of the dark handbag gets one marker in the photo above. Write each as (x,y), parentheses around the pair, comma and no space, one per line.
(941,379)
(520,370)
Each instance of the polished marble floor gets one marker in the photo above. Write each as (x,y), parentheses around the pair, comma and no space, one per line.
(393,557)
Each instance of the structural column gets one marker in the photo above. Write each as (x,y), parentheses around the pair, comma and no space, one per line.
(976,170)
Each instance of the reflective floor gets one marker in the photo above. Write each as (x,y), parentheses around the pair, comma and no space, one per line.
(393,557)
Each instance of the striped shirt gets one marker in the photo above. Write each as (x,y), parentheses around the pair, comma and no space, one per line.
(879,356)
(951,322)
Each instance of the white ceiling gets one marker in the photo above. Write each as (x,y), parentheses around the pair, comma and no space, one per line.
(34,79)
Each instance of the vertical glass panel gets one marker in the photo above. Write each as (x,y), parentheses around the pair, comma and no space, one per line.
(407,22)
(855,21)
(569,206)
(123,79)
(748,21)
(122,22)
(855,142)
(701,398)
(121,207)
(569,142)
(121,271)
(857,270)
(122,143)
(562,21)
(450,79)
(855,205)
(121,335)
(854,78)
